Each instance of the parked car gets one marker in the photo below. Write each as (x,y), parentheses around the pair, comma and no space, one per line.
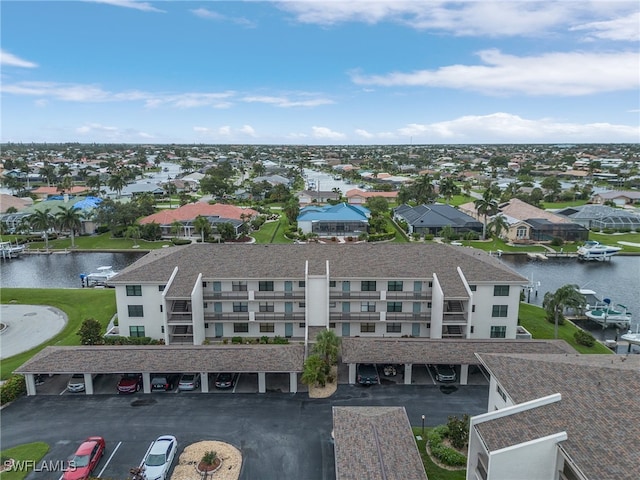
(158,461)
(130,383)
(189,381)
(85,460)
(367,374)
(225,380)
(163,382)
(445,373)
(76,383)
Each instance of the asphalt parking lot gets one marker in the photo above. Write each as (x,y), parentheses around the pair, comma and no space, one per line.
(281,435)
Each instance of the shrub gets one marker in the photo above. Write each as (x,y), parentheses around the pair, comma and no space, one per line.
(584,338)
(14,387)
(458,431)
(180,241)
(264,339)
(209,458)
(446,455)
(278,340)
(90,332)
(428,236)
(557,242)
(236,340)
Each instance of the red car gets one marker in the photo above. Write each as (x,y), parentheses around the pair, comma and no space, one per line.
(130,383)
(85,459)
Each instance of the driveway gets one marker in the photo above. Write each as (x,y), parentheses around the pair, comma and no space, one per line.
(281,436)
(28,326)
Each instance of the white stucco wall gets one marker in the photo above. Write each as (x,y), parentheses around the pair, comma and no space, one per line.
(152,319)
(197,312)
(482,319)
(437,308)
(535,460)
(317,304)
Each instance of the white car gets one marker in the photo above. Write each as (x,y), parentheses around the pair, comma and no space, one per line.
(76,383)
(158,461)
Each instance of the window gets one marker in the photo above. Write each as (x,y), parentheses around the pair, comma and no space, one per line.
(161,310)
(332,324)
(521,233)
(302,305)
(394,306)
(394,286)
(332,304)
(135,310)
(240,328)
(265,286)
(240,307)
(266,307)
(134,290)
(367,328)
(501,393)
(332,283)
(473,288)
(161,288)
(217,286)
(501,290)
(394,327)
(239,286)
(302,325)
(204,284)
(206,305)
(368,286)
(267,328)
(473,308)
(498,332)
(472,329)
(136,331)
(368,306)
(302,283)
(206,325)
(430,284)
(428,304)
(499,311)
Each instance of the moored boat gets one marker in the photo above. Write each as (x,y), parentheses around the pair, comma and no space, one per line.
(98,278)
(607,314)
(593,250)
(9,250)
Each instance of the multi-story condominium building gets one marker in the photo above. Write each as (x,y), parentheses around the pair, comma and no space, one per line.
(200,293)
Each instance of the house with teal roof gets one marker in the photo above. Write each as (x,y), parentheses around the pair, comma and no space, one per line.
(334,220)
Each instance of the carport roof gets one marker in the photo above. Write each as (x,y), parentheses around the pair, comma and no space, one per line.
(420,351)
(375,443)
(166,359)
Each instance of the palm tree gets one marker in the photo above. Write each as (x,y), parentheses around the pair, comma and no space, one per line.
(65,184)
(423,189)
(48,171)
(486,206)
(70,218)
(94,182)
(448,189)
(176,227)
(497,225)
(566,296)
(326,346)
(133,231)
(117,182)
(42,220)
(202,226)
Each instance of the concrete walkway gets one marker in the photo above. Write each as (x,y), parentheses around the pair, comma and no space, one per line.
(28,326)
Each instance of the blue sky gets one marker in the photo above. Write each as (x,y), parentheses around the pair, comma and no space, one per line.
(320,73)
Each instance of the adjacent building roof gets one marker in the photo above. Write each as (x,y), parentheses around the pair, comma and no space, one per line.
(422,351)
(375,443)
(45,191)
(612,194)
(192,210)
(436,215)
(8,201)
(356,192)
(598,410)
(522,210)
(166,359)
(332,213)
(356,261)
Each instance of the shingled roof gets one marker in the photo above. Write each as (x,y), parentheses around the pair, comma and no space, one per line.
(426,350)
(598,410)
(167,359)
(359,261)
(375,443)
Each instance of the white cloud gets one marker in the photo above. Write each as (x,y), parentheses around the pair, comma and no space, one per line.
(224,131)
(212,15)
(11,60)
(142,6)
(248,130)
(486,18)
(327,133)
(503,127)
(364,134)
(567,74)
(626,28)
(285,102)
(92,128)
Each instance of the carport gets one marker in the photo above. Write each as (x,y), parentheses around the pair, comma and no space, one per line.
(169,359)
(418,351)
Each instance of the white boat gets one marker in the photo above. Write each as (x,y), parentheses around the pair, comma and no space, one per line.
(607,314)
(593,250)
(100,277)
(9,250)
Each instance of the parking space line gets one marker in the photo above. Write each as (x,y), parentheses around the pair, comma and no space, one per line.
(109,459)
(433,380)
(146,453)
(236,384)
(62,392)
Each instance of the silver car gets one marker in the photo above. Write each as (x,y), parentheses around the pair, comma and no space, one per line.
(76,383)
(158,461)
(189,381)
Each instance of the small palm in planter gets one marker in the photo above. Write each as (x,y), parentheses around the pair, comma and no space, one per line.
(209,462)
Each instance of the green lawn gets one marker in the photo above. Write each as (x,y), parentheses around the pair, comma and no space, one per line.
(493,245)
(558,205)
(100,242)
(31,452)
(434,472)
(78,304)
(533,319)
(272,232)
(614,238)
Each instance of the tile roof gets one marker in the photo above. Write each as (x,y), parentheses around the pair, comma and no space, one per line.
(518,209)
(167,359)
(375,443)
(436,215)
(425,350)
(598,410)
(357,261)
(193,210)
(8,201)
(356,192)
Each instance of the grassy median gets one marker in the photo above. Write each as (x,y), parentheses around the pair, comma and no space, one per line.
(25,458)
(78,304)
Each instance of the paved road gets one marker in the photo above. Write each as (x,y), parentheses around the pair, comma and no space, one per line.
(28,326)
(281,436)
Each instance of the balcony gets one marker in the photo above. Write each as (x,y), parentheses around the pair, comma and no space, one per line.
(408,296)
(226,295)
(454,318)
(181,334)
(403,317)
(179,319)
(279,317)
(295,295)
(355,295)
(227,317)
